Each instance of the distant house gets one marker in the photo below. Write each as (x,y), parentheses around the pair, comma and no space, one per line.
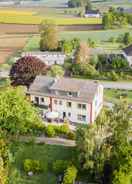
(124,10)
(92,13)
(49,58)
(77,100)
(127,52)
(6,3)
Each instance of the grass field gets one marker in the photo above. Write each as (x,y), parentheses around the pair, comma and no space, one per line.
(22,17)
(47,154)
(101,38)
(113,95)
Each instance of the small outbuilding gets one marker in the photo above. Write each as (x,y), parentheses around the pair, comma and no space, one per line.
(92,14)
(127,52)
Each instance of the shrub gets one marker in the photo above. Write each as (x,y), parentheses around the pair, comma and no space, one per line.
(71,135)
(38,128)
(27,165)
(36,166)
(114,76)
(50,131)
(59,166)
(32,165)
(70,175)
(64,129)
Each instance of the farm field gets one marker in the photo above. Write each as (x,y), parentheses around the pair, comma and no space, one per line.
(9,44)
(102,35)
(47,154)
(22,17)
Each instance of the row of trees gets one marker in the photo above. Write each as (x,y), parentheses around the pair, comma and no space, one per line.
(79,3)
(114,18)
(104,149)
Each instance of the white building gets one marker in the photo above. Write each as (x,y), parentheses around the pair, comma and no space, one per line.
(92,14)
(49,58)
(127,52)
(77,100)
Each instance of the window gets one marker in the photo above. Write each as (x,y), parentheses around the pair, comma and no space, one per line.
(42,99)
(36,100)
(55,101)
(60,102)
(69,93)
(81,117)
(69,114)
(69,104)
(82,106)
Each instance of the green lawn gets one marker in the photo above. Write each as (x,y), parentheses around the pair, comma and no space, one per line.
(47,154)
(113,95)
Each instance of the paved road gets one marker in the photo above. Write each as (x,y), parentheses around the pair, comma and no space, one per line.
(117,85)
(47,140)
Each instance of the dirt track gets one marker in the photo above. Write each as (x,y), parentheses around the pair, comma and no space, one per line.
(21,29)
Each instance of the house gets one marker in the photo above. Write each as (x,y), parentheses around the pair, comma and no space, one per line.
(124,10)
(92,13)
(49,58)
(127,52)
(77,100)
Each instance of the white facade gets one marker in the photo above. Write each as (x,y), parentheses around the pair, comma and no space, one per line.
(49,58)
(74,111)
(129,58)
(92,15)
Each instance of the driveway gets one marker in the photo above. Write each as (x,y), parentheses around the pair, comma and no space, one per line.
(117,85)
(47,140)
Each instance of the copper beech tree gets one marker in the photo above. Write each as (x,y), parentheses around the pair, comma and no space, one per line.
(24,71)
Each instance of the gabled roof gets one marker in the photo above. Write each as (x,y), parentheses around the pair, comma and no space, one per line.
(85,89)
(128,50)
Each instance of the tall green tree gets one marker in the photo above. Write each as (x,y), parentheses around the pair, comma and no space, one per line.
(48,36)
(105,146)
(17,116)
(92,150)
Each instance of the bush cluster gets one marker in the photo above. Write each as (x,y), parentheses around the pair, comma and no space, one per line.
(32,165)
(63,130)
(54,130)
